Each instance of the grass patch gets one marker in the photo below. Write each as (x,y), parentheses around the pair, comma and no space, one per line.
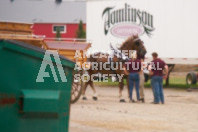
(175,82)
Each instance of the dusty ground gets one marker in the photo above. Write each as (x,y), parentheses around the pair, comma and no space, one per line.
(179,114)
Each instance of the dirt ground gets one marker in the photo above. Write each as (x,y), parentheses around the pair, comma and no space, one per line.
(178,114)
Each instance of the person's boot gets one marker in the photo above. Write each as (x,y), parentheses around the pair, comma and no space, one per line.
(142,100)
(84,98)
(131,101)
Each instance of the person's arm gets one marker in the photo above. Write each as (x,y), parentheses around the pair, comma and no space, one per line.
(126,72)
(150,69)
(126,68)
(166,71)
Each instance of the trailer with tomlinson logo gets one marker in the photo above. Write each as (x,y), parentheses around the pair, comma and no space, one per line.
(168,27)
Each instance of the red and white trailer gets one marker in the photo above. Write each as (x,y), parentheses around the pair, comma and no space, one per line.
(168,27)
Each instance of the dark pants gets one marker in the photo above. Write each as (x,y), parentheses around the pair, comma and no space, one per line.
(157,86)
(134,78)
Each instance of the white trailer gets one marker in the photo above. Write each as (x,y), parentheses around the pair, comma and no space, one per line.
(168,27)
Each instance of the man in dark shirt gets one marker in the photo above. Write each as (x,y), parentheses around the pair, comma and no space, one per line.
(133,66)
(156,71)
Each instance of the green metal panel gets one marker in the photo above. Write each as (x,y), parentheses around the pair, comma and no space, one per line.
(27,105)
(40,101)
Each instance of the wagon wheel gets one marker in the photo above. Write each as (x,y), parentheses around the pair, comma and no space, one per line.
(77,86)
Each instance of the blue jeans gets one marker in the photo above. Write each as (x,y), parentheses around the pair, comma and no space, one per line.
(134,78)
(157,86)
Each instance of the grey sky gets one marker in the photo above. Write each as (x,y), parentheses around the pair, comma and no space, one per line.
(42,11)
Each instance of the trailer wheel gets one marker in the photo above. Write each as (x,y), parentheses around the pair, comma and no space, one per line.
(191,78)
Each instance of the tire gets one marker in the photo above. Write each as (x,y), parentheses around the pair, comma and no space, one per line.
(76,91)
(191,78)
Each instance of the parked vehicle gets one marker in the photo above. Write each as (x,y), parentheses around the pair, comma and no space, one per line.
(166,27)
